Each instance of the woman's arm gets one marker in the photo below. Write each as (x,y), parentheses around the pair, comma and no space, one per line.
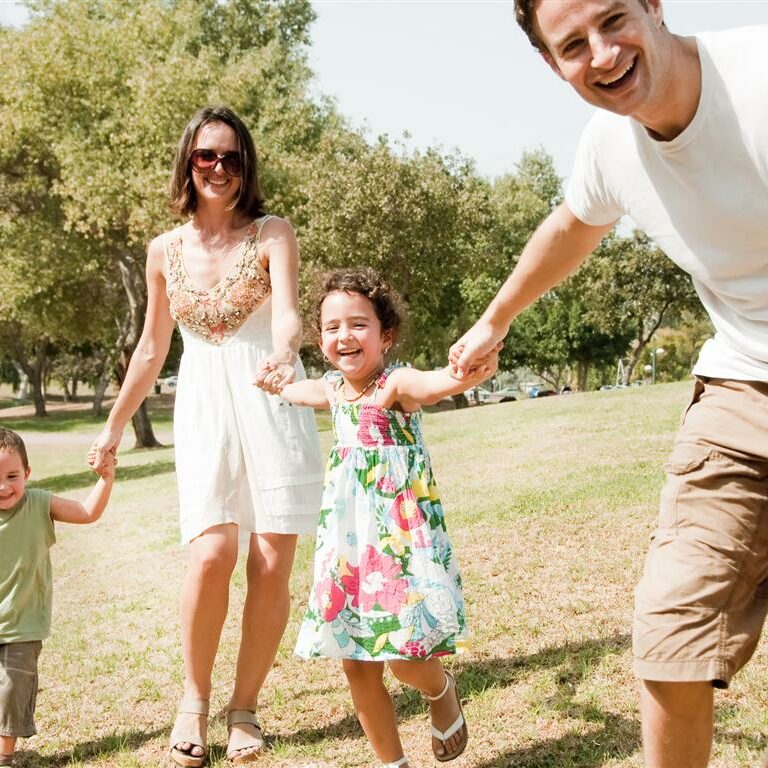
(282,252)
(147,359)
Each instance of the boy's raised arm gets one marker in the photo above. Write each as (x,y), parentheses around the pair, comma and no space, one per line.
(91,509)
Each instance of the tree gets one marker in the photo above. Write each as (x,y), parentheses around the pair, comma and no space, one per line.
(419,218)
(632,284)
(93,97)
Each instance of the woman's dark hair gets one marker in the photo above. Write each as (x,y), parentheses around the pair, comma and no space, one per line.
(369,283)
(525,13)
(250,199)
(10,441)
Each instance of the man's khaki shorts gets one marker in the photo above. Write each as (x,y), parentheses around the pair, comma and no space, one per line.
(702,600)
(18,688)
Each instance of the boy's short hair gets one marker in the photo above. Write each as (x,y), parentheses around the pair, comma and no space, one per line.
(10,441)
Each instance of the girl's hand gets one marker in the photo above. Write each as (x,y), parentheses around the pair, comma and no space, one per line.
(104,450)
(473,348)
(273,374)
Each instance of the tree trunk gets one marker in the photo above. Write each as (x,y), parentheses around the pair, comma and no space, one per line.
(34,370)
(132,275)
(23,391)
(99,390)
(582,371)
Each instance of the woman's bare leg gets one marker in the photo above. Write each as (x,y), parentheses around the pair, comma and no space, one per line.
(204,603)
(265,616)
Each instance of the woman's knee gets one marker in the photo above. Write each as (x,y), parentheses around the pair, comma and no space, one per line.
(213,557)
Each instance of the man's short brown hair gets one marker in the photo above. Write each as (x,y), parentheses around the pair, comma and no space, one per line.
(525,13)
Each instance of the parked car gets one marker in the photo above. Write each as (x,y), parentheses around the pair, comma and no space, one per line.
(505,395)
(540,392)
(171,381)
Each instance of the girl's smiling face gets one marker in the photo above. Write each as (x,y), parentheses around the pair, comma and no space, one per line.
(13,479)
(351,336)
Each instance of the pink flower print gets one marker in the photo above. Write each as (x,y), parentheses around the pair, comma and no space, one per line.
(405,511)
(379,582)
(373,429)
(386,485)
(414,649)
(330,599)
(351,584)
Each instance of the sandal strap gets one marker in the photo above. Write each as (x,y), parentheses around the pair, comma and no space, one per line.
(190,706)
(190,733)
(448,679)
(396,764)
(238,716)
(455,727)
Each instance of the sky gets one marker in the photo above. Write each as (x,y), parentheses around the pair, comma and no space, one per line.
(459,74)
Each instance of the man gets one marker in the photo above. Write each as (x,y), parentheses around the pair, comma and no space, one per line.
(680,143)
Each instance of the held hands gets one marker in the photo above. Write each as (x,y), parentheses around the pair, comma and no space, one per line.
(483,368)
(273,374)
(106,470)
(102,455)
(479,347)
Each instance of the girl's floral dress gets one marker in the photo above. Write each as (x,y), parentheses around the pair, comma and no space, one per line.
(387,584)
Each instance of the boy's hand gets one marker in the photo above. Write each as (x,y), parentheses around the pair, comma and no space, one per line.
(105,468)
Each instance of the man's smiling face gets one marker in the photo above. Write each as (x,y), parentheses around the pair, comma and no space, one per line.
(611,52)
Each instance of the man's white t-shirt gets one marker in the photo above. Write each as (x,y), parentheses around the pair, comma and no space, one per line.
(702,197)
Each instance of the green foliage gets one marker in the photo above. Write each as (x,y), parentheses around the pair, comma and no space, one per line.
(421,219)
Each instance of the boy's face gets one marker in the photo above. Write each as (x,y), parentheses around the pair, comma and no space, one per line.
(13,479)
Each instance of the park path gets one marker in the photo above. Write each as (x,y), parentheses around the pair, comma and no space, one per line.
(68,438)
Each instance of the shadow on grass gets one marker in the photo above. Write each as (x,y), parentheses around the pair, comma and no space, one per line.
(107,745)
(74,480)
(620,736)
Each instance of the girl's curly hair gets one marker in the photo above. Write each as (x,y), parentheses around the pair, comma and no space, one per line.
(369,283)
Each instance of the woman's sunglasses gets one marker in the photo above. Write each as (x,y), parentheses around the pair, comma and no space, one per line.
(205,159)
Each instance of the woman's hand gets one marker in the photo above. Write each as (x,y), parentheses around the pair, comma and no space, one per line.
(103,451)
(273,373)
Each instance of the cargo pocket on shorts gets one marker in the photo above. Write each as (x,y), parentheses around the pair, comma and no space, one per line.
(698,390)
(685,459)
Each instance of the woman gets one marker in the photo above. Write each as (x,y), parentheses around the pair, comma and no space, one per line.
(248,465)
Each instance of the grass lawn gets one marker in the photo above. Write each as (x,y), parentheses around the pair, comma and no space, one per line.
(550,503)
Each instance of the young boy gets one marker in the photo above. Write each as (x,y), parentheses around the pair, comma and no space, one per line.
(26,535)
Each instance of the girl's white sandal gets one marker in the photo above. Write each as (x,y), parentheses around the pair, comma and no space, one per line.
(459,724)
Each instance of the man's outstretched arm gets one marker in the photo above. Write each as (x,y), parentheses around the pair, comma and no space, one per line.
(556,249)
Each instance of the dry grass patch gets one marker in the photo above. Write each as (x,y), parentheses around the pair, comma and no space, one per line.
(550,503)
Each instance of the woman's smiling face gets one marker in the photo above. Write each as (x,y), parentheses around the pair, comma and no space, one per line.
(215,185)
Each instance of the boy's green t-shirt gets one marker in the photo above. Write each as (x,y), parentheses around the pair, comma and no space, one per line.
(26,536)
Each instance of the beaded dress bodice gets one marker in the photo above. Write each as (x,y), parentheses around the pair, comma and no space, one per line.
(216,313)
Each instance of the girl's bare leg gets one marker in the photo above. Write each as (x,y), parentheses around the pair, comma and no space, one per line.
(374,707)
(429,677)
(265,616)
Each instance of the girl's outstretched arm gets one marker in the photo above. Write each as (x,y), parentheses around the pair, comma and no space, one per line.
(410,388)
(309,392)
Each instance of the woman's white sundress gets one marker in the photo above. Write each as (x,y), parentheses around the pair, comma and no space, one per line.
(242,456)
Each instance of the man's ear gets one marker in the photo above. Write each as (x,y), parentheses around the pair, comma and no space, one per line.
(656,11)
(547,56)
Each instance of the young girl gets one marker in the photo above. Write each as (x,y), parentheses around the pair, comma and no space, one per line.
(387,586)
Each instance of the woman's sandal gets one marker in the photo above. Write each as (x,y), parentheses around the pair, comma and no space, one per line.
(239,717)
(458,725)
(195,736)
